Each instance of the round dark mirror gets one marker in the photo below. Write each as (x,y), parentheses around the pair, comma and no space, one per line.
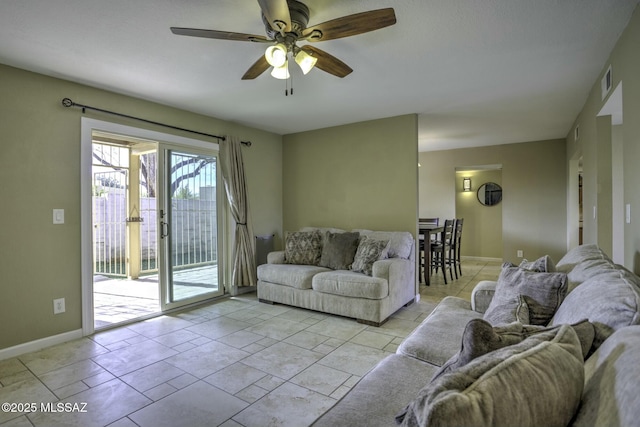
(489,194)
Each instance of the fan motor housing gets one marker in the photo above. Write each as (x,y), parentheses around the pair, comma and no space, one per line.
(299,14)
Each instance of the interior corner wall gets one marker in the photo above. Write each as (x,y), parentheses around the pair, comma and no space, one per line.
(361,175)
(534,207)
(40,171)
(597,169)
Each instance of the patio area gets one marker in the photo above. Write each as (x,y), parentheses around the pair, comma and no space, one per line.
(118,300)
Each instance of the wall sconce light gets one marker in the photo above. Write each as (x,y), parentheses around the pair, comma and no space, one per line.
(466,184)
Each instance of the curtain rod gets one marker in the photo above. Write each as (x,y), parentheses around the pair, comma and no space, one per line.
(69,103)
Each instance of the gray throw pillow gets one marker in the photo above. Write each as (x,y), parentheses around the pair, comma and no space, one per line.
(508,310)
(541,265)
(339,250)
(480,338)
(303,247)
(543,293)
(369,251)
(537,382)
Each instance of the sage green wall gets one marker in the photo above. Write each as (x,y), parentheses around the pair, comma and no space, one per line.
(361,175)
(594,145)
(534,193)
(40,170)
(482,226)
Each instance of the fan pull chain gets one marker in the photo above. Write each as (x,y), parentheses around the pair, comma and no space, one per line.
(286,90)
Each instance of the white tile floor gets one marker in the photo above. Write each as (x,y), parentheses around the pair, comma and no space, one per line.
(235,362)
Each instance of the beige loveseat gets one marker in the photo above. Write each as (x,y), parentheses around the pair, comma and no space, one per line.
(327,281)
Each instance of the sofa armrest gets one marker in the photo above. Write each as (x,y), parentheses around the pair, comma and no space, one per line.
(276,257)
(401,276)
(482,295)
(391,268)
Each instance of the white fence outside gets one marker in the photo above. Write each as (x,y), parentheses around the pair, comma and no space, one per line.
(193,230)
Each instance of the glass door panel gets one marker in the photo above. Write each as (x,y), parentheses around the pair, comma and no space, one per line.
(189,225)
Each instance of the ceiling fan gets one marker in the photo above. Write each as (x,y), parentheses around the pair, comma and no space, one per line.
(286,24)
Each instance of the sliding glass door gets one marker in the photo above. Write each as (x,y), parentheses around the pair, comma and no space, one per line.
(189,225)
(170,242)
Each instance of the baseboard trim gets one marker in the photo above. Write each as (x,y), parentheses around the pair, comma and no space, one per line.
(36,345)
(480,258)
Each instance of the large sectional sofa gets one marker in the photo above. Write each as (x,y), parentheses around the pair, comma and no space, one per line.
(362,274)
(580,368)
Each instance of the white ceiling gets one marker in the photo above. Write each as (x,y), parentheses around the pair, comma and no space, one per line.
(477,72)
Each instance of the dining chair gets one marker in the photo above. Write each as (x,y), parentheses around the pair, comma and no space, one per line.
(421,247)
(441,250)
(454,249)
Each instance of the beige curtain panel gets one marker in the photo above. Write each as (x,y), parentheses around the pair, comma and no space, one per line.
(244,260)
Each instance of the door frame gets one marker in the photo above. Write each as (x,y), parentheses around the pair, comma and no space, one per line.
(87,126)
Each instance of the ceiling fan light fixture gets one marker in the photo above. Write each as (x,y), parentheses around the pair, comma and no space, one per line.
(305,61)
(276,55)
(282,72)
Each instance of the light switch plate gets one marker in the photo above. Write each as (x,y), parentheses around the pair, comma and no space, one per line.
(628,213)
(58,216)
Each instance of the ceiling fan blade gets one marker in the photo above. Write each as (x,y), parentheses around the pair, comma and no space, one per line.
(351,25)
(221,35)
(277,13)
(259,67)
(328,63)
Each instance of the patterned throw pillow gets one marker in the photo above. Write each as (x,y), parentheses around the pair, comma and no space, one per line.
(369,251)
(303,247)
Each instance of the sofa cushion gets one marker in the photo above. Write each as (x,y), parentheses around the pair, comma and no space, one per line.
(578,255)
(610,301)
(303,247)
(294,276)
(369,251)
(587,270)
(350,284)
(438,337)
(338,250)
(537,382)
(543,293)
(584,262)
(480,338)
(380,394)
(401,243)
(611,394)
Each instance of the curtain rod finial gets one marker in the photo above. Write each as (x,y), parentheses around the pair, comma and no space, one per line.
(67,102)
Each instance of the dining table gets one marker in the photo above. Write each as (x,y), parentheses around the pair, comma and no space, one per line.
(426,231)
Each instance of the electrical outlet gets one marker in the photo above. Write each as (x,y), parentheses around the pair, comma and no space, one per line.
(520,253)
(58,306)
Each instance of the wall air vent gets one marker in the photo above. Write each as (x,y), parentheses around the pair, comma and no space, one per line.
(606,82)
